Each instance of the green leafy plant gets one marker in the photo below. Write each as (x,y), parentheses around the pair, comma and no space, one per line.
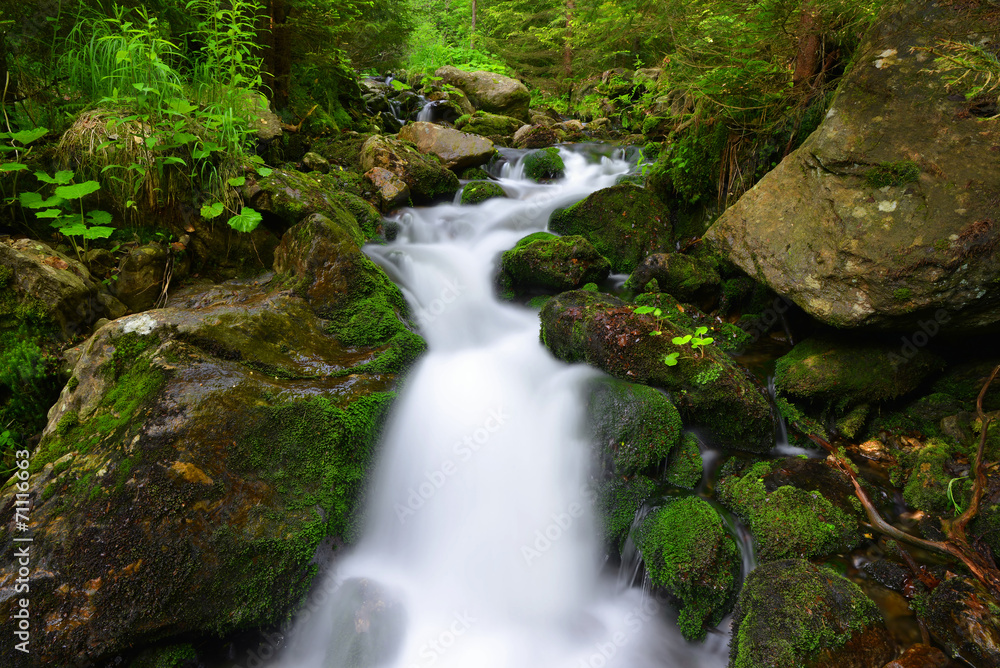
(951,494)
(697,340)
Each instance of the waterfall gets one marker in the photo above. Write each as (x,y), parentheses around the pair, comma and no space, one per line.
(480,547)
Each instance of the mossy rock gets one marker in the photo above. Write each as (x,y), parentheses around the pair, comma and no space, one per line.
(707,387)
(682,276)
(687,552)
(624,222)
(172,656)
(343,150)
(685,467)
(792,613)
(964,617)
(793,507)
(543,262)
(850,373)
(544,165)
(425,175)
(474,174)
(633,426)
(480,191)
(929,470)
(618,500)
(490,125)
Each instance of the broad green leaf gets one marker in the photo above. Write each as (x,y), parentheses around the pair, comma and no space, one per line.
(99,218)
(680,340)
(28,136)
(247,220)
(237,181)
(264,171)
(184,137)
(74,230)
(12,167)
(98,232)
(209,212)
(200,153)
(700,331)
(49,213)
(60,179)
(174,160)
(642,310)
(31,200)
(671,359)
(78,190)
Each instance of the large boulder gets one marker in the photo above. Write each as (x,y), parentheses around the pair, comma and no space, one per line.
(888,211)
(456,150)
(624,222)
(792,613)
(543,262)
(687,551)
(490,92)
(204,457)
(426,177)
(499,128)
(707,387)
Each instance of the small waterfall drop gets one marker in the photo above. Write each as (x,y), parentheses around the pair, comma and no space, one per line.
(480,548)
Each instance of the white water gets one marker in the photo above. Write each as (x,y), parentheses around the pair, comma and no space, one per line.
(480,524)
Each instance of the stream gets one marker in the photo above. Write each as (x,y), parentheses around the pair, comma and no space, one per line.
(480,546)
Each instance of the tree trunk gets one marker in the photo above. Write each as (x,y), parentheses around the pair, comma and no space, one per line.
(472,32)
(568,42)
(807,58)
(278,54)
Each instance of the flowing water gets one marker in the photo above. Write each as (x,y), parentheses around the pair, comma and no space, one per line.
(480,547)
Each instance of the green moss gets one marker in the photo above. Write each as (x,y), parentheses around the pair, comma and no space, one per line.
(687,551)
(69,420)
(892,174)
(685,466)
(850,425)
(692,164)
(174,656)
(474,174)
(788,611)
(927,479)
(902,294)
(545,262)
(635,425)
(73,383)
(788,521)
(480,191)
(544,165)
(488,125)
(618,500)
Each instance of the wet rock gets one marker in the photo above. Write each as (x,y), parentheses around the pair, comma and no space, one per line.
(681,276)
(685,466)
(207,452)
(962,615)
(920,656)
(687,552)
(457,150)
(707,387)
(392,190)
(426,177)
(314,162)
(368,625)
(99,262)
(499,129)
(794,508)
(792,613)
(535,136)
(140,278)
(625,223)
(480,191)
(544,165)
(617,502)
(53,286)
(545,262)
(490,92)
(850,373)
(874,221)
(633,427)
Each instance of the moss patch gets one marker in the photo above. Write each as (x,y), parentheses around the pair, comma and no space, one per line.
(685,466)
(634,425)
(544,165)
(480,191)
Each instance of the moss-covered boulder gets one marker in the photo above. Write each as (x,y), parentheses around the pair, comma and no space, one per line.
(480,191)
(794,508)
(964,617)
(707,387)
(499,129)
(543,262)
(687,552)
(618,499)
(875,220)
(850,373)
(489,91)
(544,165)
(633,426)
(287,197)
(685,466)
(426,177)
(457,150)
(203,455)
(535,136)
(624,222)
(682,276)
(792,613)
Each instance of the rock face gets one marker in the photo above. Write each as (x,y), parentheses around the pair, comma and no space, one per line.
(625,223)
(425,176)
(140,279)
(792,613)
(490,92)
(890,210)
(960,614)
(205,454)
(497,127)
(545,262)
(680,276)
(708,388)
(392,190)
(456,150)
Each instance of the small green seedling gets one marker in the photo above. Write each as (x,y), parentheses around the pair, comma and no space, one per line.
(697,341)
(951,496)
